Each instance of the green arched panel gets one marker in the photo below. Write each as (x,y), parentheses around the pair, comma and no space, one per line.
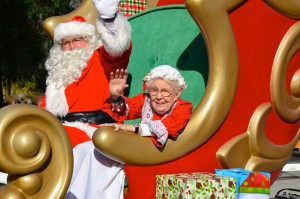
(168,35)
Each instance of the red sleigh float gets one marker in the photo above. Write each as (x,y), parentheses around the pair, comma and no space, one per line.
(247,115)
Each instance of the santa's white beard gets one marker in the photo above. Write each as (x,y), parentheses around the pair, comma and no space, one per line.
(64,67)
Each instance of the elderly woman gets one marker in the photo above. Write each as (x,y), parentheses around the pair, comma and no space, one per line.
(163,114)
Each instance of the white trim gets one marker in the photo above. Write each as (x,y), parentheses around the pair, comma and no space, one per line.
(56,101)
(73,28)
(89,130)
(116,41)
(3,177)
(291,167)
(253,196)
(145,130)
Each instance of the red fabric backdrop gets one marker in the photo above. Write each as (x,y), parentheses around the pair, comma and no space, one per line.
(258,30)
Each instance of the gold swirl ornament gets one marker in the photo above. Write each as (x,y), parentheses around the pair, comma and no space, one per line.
(211,110)
(252,150)
(286,105)
(289,8)
(256,150)
(36,152)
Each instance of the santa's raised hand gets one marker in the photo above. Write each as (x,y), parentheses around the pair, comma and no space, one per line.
(107,9)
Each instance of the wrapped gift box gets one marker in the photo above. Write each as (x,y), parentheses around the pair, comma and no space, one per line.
(250,184)
(195,186)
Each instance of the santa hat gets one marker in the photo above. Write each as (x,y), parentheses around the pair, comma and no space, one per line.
(76,27)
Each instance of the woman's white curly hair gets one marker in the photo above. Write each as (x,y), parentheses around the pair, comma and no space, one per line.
(168,73)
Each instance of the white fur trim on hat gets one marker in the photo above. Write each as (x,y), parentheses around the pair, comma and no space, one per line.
(166,72)
(73,28)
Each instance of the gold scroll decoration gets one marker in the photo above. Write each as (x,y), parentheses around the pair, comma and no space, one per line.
(86,10)
(212,18)
(36,152)
(295,84)
(286,105)
(289,8)
(252,150)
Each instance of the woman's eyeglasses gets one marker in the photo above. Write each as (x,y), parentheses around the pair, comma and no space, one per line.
(163,92)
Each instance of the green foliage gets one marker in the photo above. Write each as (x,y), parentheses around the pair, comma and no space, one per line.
(38,11)
(25,45)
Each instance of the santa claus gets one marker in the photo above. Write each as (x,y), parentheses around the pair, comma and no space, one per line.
(79,65)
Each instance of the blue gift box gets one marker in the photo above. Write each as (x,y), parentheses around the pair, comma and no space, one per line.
(250,184)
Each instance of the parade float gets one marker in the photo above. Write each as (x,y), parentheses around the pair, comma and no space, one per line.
(241,62)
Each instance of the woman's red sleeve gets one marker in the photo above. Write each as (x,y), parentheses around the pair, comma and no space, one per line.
(177,120)
(133,108)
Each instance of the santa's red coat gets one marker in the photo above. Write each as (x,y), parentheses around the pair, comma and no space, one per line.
(92,88)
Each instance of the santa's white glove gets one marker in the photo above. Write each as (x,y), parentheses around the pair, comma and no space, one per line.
(107,9)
